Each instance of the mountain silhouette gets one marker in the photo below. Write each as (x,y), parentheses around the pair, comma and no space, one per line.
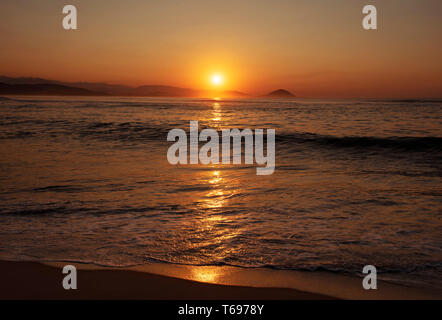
(44,89)
(280,94)
(40,86)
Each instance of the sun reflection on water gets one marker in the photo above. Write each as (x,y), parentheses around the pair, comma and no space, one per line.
(216,177)
(212,228)
(216,197)
(216,113)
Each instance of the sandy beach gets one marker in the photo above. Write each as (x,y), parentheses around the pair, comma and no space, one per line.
(34,280)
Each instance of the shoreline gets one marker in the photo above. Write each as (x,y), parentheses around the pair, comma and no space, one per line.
(43,280)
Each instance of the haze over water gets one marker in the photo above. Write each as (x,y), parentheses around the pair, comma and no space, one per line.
(356,182)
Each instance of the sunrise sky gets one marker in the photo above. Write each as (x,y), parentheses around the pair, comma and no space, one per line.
(313,48)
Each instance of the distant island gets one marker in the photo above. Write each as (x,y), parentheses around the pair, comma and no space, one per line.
(280,94)
(39,86)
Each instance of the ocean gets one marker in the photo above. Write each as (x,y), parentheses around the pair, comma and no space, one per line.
(356,182)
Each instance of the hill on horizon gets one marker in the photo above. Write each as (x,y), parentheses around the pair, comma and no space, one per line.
(280,94)
(40,86)
(45,89)
(32,85)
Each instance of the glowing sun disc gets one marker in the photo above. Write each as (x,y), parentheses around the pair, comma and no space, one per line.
(217,79)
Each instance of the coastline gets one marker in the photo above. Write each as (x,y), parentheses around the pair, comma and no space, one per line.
(31,280)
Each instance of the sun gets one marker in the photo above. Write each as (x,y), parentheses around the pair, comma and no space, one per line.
(217,79)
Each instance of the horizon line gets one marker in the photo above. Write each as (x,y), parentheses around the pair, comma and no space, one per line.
(202,91)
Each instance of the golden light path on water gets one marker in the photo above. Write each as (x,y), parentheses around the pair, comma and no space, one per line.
(210,221)
(212,201)
(216,113)
(212,228)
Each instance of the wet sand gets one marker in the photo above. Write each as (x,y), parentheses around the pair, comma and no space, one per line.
(34,280)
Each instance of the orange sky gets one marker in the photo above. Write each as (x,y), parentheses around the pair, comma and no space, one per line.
(313,48)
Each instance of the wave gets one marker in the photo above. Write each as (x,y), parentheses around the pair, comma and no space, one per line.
(363,143)
(409,100)
(139,132)
(350,268)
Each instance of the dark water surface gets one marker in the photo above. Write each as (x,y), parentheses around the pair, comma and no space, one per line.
(356,182)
